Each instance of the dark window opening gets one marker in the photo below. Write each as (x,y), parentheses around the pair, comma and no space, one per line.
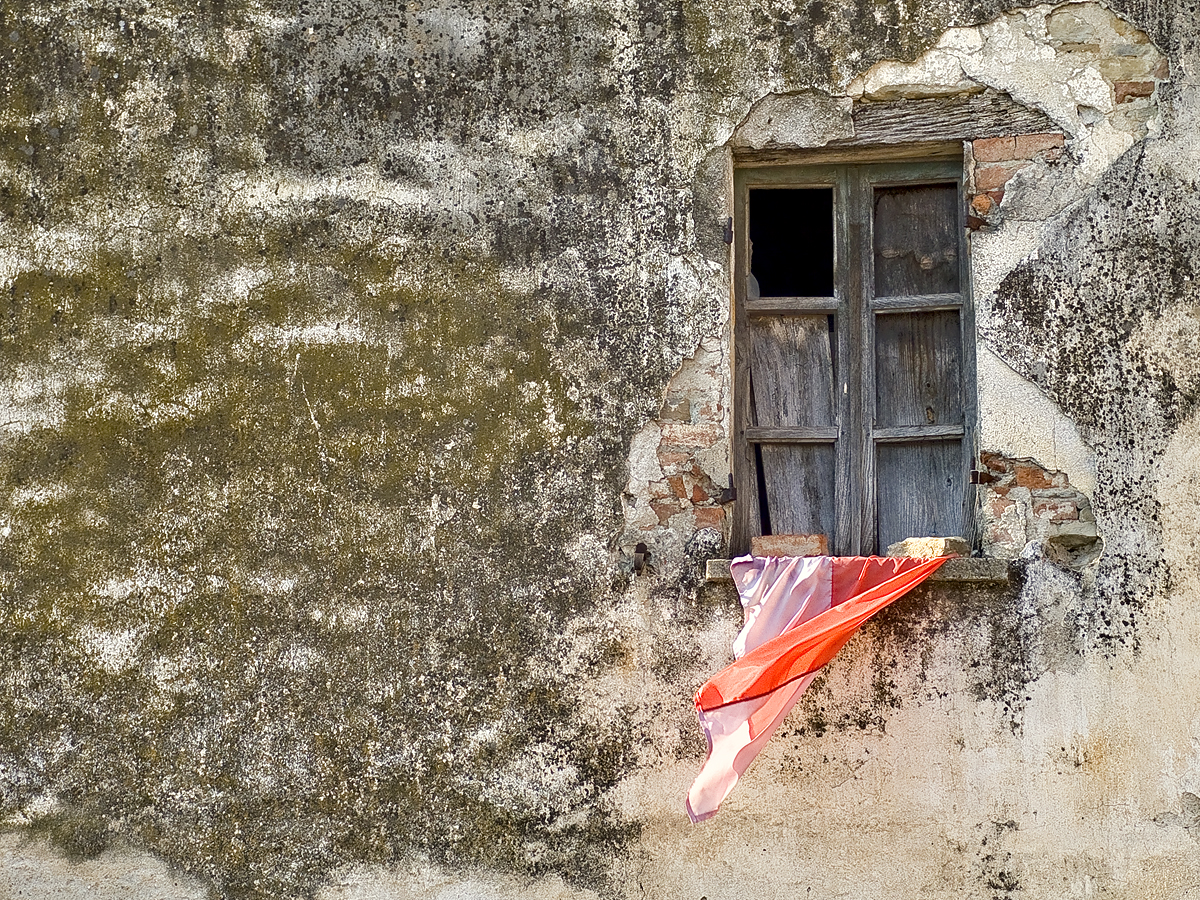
(764,503)
(791,233)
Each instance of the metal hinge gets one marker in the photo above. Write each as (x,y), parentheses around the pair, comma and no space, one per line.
(729,494)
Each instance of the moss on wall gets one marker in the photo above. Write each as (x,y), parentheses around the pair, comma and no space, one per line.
(324,332)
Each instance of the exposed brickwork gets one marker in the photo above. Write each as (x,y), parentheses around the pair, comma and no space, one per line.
(1026,502)
(1030,145)
(686,466)
(996,161)
(995,149)
(1132,90)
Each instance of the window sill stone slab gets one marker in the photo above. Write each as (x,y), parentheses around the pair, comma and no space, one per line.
(956,571)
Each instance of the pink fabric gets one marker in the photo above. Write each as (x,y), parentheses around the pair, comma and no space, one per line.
(799,611)
(777,594)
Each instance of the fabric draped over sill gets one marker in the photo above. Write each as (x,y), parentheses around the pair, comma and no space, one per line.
(799,612)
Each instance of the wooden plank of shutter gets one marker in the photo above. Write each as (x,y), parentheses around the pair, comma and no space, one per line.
(920,490)
(918,369)
(792,369)
(918,364)
(916,240)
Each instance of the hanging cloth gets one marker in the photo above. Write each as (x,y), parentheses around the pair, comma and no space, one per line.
(799,612)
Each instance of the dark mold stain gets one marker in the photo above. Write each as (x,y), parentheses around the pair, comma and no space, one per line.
(332,566)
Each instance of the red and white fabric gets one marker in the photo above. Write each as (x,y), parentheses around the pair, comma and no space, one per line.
(799,612)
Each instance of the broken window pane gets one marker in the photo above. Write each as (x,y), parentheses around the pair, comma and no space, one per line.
(791,236)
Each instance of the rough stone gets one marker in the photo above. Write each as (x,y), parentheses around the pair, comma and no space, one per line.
(930,547)
(804,119)
(789,545)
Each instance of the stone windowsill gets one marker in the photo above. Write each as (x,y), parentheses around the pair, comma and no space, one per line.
(971,570)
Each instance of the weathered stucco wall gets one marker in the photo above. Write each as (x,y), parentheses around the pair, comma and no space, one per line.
(347,350)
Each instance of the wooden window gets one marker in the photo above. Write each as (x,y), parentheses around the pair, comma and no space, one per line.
(853,354)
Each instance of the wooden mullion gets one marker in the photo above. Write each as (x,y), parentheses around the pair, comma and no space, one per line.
(746,516)
(843,495)
(855,492)
(865,209)
(970,399)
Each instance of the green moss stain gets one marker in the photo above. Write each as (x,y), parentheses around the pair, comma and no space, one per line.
(326,335)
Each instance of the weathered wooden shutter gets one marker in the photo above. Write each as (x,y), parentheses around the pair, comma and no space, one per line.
(855,411)
(919,414)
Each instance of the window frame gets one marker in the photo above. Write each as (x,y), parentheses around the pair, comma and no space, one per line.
(853,180)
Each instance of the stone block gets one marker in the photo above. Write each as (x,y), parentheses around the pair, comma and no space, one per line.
(1069,26)
(930,547)
(789,545)
(1128,68)
(716,571)
(1056,510)
(676,409)
(1074,535)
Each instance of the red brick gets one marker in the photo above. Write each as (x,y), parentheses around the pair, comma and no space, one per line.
(1029,145)
(664,509)
(1132,90)
(996,196)
(679,435)
(699,495)
(1056,510)
(660,490)
(677,486)
(995,462)
(992,177)
(998,506)
(709,516)
(995,149)
(670,458)
(1033,476)
(982,204)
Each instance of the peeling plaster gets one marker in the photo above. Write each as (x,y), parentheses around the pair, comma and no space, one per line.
(349,609)
(1063,60)
(1019,420)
